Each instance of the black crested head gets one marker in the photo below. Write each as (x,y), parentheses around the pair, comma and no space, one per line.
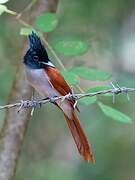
(36,57)
(35,43)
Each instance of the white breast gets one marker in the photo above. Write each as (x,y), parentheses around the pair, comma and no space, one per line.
(40,81)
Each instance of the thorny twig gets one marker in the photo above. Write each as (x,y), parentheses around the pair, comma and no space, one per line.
(37,103)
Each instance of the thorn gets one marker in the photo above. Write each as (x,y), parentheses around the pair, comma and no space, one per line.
(128,97)
(73,94)
(113,97)
(32,111)
(75,104)
(113,85)
(32,98)
(73,97)
(21,106)
(118,86)
(125,90)
(120,90)
(114,90)
(72,90)
(65,97)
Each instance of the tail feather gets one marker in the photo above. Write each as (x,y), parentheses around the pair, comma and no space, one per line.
(79,137)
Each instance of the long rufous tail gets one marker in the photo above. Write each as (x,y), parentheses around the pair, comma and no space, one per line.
(79,137)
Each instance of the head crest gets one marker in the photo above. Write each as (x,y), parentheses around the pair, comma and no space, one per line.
(35,42)
(36,45)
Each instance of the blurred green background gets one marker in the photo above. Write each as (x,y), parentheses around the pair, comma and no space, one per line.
(108,26)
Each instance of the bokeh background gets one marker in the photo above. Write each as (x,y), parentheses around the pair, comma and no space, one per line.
(108,26)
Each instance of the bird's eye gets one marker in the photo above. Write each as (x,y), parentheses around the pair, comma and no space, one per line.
(36,58)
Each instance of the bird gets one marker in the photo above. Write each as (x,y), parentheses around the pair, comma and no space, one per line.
(47,80)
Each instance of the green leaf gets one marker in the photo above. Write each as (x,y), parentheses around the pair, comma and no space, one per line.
(88,100)
(71,47)
(114,114)
(70,77)
(46,22)
(91,74)
(4,8)
(26,31)
(100,88)
(3,1)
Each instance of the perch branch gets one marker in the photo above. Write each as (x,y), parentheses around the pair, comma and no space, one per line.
(37,103)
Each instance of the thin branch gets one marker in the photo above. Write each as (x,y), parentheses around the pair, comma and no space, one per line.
(37,103)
